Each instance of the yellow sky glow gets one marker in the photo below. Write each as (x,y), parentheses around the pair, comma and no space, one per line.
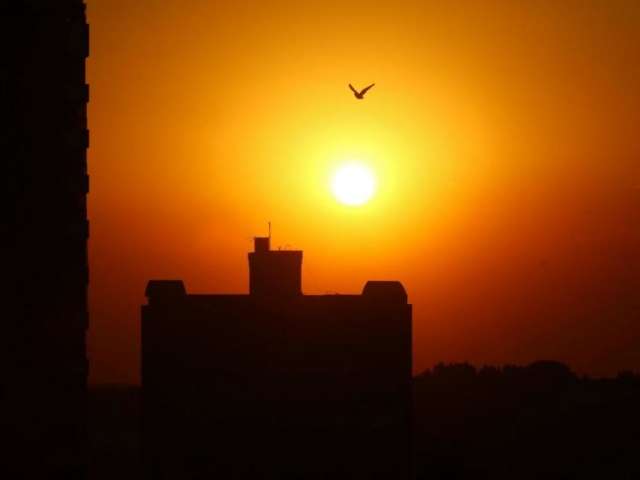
(502,136)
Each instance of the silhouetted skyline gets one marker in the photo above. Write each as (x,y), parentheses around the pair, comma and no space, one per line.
(529,422)
(495,176)
(276,383)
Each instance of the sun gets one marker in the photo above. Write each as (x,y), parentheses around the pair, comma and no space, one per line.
(353,184)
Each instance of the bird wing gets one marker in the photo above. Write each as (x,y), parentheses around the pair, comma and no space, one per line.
(366,89)
(353,89)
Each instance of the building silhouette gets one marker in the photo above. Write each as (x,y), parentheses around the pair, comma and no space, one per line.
(276,384)
(43,144)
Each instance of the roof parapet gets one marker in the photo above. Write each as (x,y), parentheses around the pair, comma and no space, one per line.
(385,291)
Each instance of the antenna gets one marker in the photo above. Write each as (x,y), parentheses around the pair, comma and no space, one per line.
(269,230)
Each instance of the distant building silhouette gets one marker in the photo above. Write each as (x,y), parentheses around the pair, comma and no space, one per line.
(276,384)
(528,422)
(43,144)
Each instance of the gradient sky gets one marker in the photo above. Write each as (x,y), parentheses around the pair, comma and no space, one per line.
(504,136)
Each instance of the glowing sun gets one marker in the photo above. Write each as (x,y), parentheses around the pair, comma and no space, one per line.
(353,184)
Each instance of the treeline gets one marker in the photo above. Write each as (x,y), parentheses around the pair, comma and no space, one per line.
(540,421)
(532,422)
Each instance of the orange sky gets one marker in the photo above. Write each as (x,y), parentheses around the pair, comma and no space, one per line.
(503,135)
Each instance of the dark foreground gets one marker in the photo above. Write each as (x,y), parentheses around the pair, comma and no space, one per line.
(516,423)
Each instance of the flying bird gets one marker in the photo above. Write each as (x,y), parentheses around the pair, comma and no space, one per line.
(360,94)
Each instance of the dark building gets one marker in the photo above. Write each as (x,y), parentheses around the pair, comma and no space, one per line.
(43,145)
(276,384)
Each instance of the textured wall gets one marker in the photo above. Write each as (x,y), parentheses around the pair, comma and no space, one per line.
(44,141)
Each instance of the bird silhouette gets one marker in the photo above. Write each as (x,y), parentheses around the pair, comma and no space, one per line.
(360,94)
